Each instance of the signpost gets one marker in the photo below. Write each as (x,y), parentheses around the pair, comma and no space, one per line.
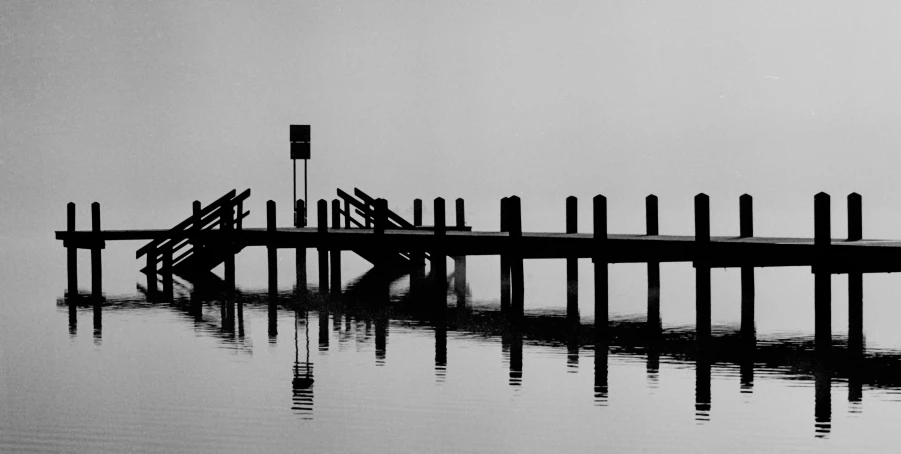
(300,149)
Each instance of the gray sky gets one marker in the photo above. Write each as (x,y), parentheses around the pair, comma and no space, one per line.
(146,106)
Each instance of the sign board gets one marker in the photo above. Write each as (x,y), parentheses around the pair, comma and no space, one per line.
(300,141)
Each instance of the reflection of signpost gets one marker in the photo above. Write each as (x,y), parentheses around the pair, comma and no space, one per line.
(300,149)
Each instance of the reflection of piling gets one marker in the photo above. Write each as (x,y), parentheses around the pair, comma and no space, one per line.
(322,220)
(72,254)
(73,318)
(460,260)
(516,355)
(335,254)
(272,252)
(855,279)
(440,349)
(601,284)
(323,328)
(822,277)
(505,258)
(822,410)
(573,343)
(702,388)
(516,266)
(300,253)
(654,322)
(439,263)
(600,373)
(381,336)
(572,263)
(96,246)
(702,267)
(653,363)
(746,230)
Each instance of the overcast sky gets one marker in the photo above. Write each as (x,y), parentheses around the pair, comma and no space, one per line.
(146,106)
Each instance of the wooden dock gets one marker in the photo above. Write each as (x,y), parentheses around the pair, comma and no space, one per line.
(214,234)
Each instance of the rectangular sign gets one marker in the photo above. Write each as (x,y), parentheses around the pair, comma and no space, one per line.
(300,150)
(300,133)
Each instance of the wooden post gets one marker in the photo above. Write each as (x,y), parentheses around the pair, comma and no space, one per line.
(651,217)
(702,267)
(746,230)
(347,214)
(322,219)
(417,257)
(96,246)
(381,216)
(572,263)
(300,253)
(152,258)
(855,278)
(335,253)
(229,244)
(601,284)
(272,252)
(822,273)
(460,260)
(168,290)
(197,248)
(822,404)
(514,206)
(71,254)
(505,258)
(439,264)
(702,388)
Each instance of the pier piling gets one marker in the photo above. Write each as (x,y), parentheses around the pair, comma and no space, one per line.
(229,246)
(746,230)
(71,254)
(417,258)
(322,221)
(335,254)
(855,278)
(96,247)
(460,260)
(516,260)
(652,228)
(168,290)
(439,261)
(272,253)
(822,276)
(601,283)
(572,263)
(702,267)
(505,257)
(300,253)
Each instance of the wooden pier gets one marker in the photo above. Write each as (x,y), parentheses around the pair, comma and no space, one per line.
(214,234)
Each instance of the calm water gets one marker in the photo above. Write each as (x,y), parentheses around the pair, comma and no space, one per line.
(327,377)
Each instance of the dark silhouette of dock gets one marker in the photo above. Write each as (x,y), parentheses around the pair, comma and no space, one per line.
(214,234)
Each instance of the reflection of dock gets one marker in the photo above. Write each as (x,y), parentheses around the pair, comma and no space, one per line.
(395,246)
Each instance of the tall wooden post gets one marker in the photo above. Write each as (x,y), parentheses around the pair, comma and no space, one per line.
(197,247)
(335,253)
(347,214)
(168,289)
(702,267)
(572,263)
(96,246)
(746,230)
(229,244)
(514,205)
(300,253)
(272,252)
(652,228)
(417,273)
(505,257)
(460,260)
(822,273)
(439,264)
(601,284)
(322,220)
(855,278)
(71,254)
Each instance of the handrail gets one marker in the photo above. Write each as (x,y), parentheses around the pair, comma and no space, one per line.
(228,198)
(392,216)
